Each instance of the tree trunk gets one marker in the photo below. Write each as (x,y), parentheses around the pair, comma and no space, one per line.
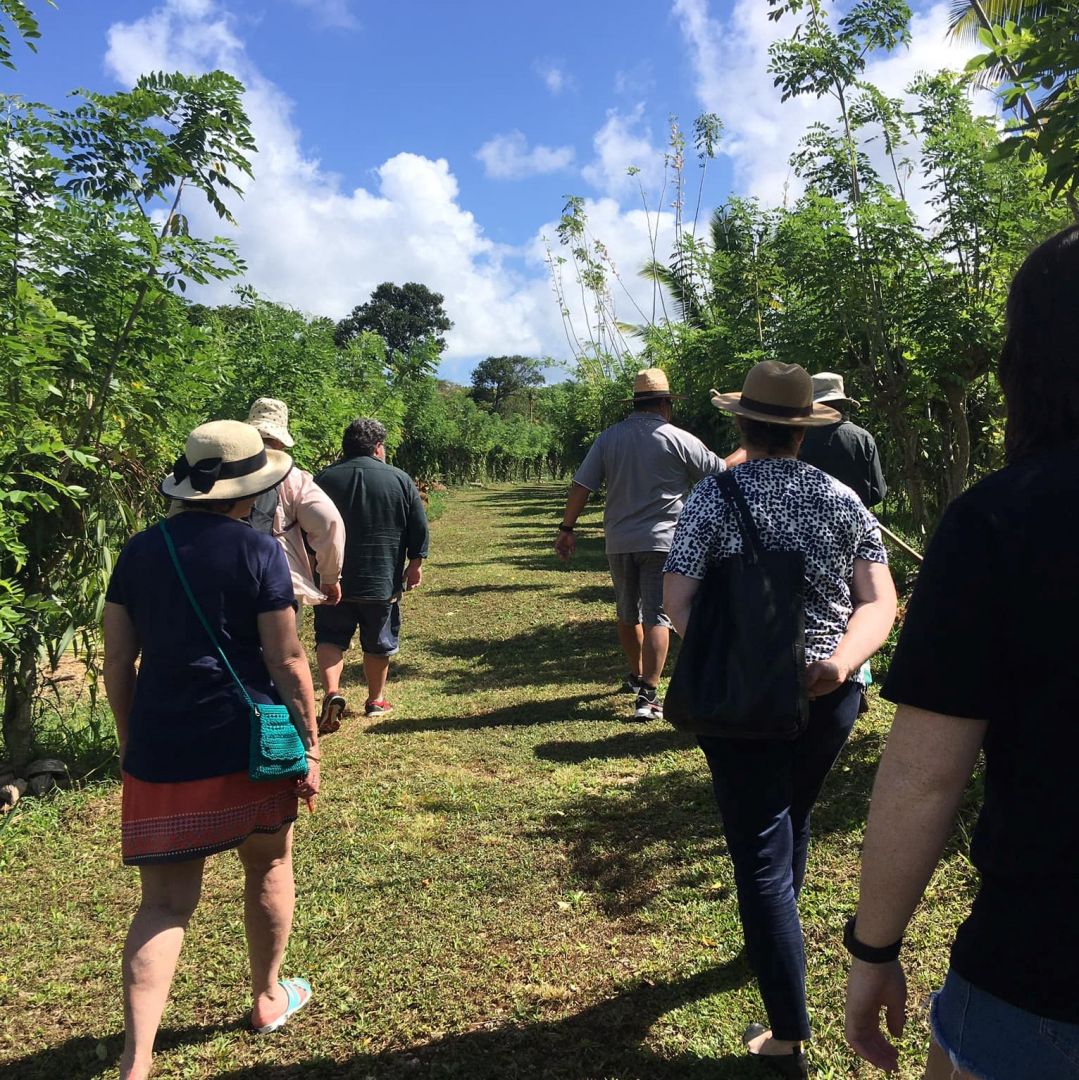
(955,477)
(20,681)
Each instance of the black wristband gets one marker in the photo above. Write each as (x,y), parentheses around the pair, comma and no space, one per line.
(867,953)
(565,528)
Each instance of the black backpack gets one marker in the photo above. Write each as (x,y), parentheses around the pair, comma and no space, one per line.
(262,513)
(741,671)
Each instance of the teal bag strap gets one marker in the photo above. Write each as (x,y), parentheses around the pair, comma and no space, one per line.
(202,618)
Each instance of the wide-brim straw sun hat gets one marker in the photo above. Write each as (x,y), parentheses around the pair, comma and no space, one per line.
(269,417)
(777,393)
(652,385)
(225,459)
(828,389)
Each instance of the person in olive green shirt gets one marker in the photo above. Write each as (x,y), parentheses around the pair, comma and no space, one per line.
(386,541)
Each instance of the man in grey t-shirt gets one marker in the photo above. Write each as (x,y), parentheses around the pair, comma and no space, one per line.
(649,465)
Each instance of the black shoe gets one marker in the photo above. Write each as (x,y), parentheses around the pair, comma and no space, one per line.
(648,706)
(631,684)
(794,1066)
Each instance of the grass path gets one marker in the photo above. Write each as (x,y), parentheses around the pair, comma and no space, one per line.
(504,878)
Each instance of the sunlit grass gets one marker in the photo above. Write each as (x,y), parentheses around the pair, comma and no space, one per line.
(506,877)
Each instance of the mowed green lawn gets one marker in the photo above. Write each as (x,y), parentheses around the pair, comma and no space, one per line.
(506,877)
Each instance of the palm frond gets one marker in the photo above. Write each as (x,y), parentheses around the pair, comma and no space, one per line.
(965,24)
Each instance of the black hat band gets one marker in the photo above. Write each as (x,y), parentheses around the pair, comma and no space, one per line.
(789,411)
(205,473)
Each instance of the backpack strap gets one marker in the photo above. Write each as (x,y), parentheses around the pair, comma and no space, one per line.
(751,537)
(198,611)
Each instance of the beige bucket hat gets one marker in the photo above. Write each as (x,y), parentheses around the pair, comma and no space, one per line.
(828,390)
(269,417)
(225,459)
(652,385)
(777,393)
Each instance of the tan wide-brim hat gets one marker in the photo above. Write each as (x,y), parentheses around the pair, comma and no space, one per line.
(270,418)
(828,390)
(652,385)
(225,459)
(777,393)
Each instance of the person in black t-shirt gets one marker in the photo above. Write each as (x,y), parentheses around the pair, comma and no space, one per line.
(986,662)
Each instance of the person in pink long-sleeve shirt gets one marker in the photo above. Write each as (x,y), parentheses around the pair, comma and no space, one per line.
(303,518)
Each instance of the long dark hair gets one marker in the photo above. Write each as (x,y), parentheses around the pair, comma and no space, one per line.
(1039,366)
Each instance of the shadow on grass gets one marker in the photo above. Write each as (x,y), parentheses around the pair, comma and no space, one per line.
(524,714)
(480,590)
(593,594)
(629,744)
(590,558)
(844,800)
(88,1056)
(604,1040)
(544,655)
(623,842)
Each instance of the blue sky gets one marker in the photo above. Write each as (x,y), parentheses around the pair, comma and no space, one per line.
(435,142)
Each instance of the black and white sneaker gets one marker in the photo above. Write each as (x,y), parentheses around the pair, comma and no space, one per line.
(649,707)
(631,684)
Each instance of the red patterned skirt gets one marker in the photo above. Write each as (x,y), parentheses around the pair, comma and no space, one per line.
(191,819)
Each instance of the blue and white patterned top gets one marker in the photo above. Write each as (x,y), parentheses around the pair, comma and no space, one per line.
(796,508)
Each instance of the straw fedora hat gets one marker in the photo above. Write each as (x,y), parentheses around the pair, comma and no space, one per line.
(269,417)
(828,390)
(225,459)
(777,393)
(651,385)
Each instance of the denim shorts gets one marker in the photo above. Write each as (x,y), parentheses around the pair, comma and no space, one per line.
(379,623)
(993,1040)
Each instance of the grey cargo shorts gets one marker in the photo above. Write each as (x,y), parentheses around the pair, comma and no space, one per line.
(638,587)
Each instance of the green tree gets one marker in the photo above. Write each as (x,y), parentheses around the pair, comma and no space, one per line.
(1037,60)
(404,316)
(499,378)
(271,350)
(25,25)
(102,367)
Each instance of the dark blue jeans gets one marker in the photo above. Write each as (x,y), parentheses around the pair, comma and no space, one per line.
(766,790)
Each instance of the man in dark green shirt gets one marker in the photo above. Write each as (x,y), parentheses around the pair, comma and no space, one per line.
(844,450)
(385,525)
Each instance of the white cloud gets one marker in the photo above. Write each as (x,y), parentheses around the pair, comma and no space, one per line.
(623,143)
(555,77)
(730,61)
(332,14)
(508,157)
(312,243)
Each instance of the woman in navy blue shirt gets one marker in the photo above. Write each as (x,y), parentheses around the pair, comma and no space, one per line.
(184,727)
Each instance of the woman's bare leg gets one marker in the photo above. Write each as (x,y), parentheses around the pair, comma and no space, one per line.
(269,900)
(170,894)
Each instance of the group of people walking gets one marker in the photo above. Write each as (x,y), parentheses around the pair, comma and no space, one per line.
(983,665)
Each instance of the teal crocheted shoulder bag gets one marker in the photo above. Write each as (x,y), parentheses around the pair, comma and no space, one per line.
(277,751)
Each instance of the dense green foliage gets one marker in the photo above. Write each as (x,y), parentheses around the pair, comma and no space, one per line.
(106,366)
(1037,57)
(892,268)
(101,363)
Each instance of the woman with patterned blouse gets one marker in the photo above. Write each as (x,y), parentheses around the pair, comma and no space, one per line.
(766,788)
